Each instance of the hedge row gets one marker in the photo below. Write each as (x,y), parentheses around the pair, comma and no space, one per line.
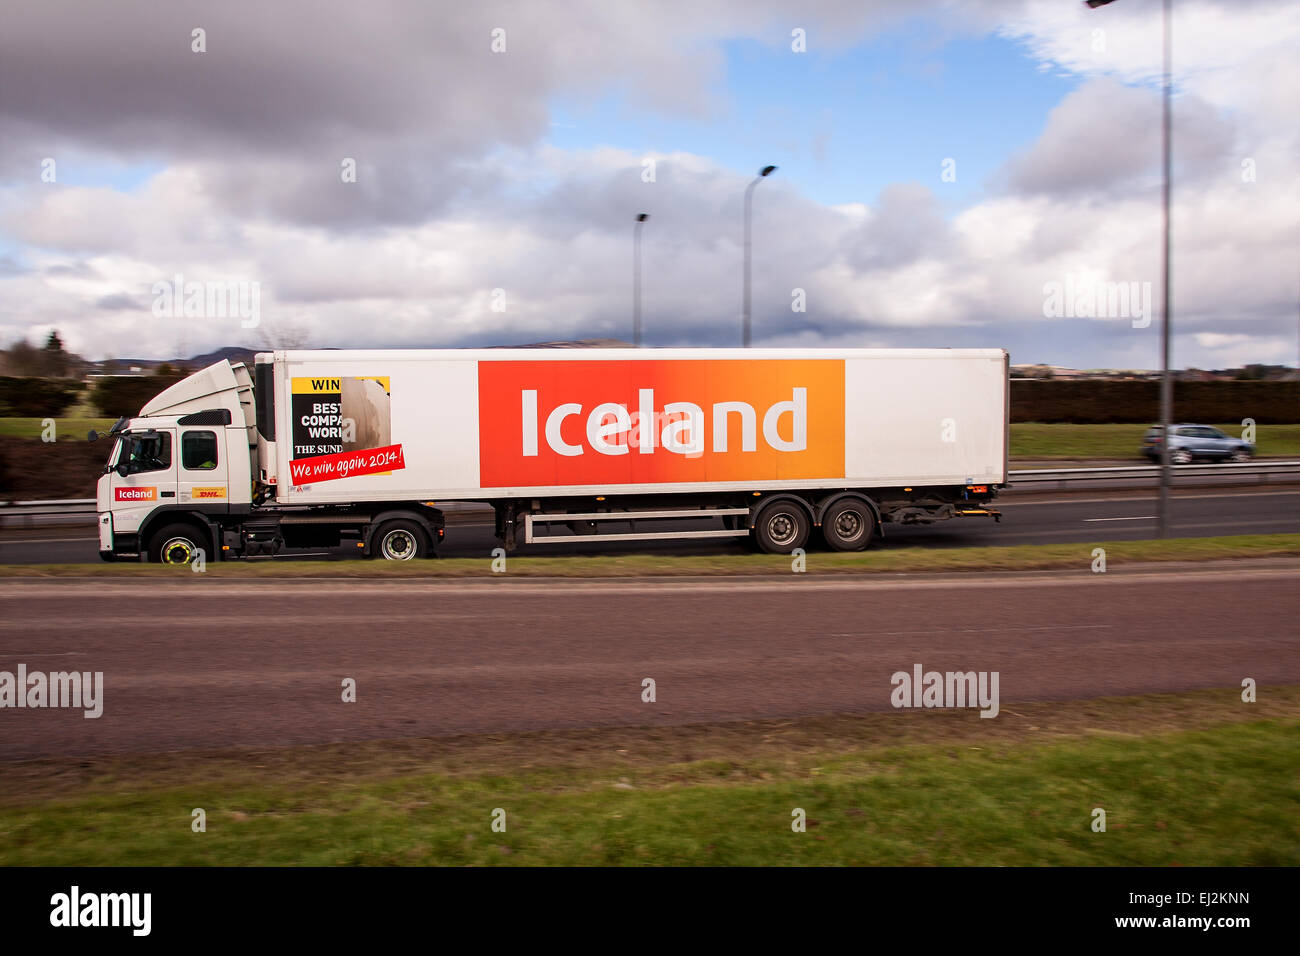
(126,395)
(50,397)
(37,397)
(1268,403)
(1099,402)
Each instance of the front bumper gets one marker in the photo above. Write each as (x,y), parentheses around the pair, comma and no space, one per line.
(111,545)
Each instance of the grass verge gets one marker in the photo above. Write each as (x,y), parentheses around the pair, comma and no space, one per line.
(1028,557)
(1186,779)
(66,429)
(1035,440)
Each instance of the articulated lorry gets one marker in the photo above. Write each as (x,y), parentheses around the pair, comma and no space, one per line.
(360,449)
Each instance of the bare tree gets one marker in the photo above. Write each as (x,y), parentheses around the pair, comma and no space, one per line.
(276,334)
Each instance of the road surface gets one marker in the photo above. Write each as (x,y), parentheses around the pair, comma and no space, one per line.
(217,664)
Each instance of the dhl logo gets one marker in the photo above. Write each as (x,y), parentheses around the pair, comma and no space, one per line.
(660,421)
(200,493)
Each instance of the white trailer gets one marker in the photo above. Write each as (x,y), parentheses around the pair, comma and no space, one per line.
(320,448)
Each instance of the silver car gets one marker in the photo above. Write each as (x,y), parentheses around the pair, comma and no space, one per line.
(1190,442)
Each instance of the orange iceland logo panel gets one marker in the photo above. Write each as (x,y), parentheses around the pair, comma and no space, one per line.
(659,421)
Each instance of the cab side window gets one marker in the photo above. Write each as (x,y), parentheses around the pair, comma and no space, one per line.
(149,453)
(199,451)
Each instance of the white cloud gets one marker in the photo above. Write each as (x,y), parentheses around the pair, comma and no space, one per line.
(458,196)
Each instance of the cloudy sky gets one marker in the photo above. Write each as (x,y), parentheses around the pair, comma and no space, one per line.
(943,166)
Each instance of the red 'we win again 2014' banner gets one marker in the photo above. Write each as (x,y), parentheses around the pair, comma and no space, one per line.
(346,464)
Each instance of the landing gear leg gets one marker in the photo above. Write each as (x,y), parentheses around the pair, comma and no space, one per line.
(507,527)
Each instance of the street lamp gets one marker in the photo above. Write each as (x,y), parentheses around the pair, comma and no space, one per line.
(1166,377)
(636,278)
(749,200)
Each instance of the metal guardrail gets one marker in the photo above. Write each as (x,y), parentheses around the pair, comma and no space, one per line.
(60,508)
(1263,470)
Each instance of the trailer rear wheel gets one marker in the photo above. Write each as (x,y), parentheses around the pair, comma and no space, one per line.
(401,541)
(848,525)
(781,526)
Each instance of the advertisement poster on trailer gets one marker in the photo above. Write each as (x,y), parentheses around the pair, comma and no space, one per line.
(342,428)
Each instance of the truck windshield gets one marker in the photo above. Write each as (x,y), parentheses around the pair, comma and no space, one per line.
(139,453)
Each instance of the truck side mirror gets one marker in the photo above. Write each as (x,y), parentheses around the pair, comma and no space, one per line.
(123,469)
(93,436)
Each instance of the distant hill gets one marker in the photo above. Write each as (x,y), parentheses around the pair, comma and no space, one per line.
(246,355)
(576,344)
(235,354)
(121,366)
(232,353)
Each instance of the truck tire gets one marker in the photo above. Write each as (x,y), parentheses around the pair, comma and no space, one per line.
(400,541)
(848,525)
(781,526)
(175,544)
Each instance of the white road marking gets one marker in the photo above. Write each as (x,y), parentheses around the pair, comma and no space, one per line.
(1006,503)
(47,541)
(41,653)
(1136,518)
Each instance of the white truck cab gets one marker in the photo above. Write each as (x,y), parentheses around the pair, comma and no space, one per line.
(190,451)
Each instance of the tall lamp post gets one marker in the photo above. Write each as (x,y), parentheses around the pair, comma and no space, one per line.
(746,322)
(1166,376)
(636,278)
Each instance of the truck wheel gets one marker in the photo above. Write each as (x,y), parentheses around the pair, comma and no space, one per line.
(175,544)
(848,525)
(401,541)
(781,527)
